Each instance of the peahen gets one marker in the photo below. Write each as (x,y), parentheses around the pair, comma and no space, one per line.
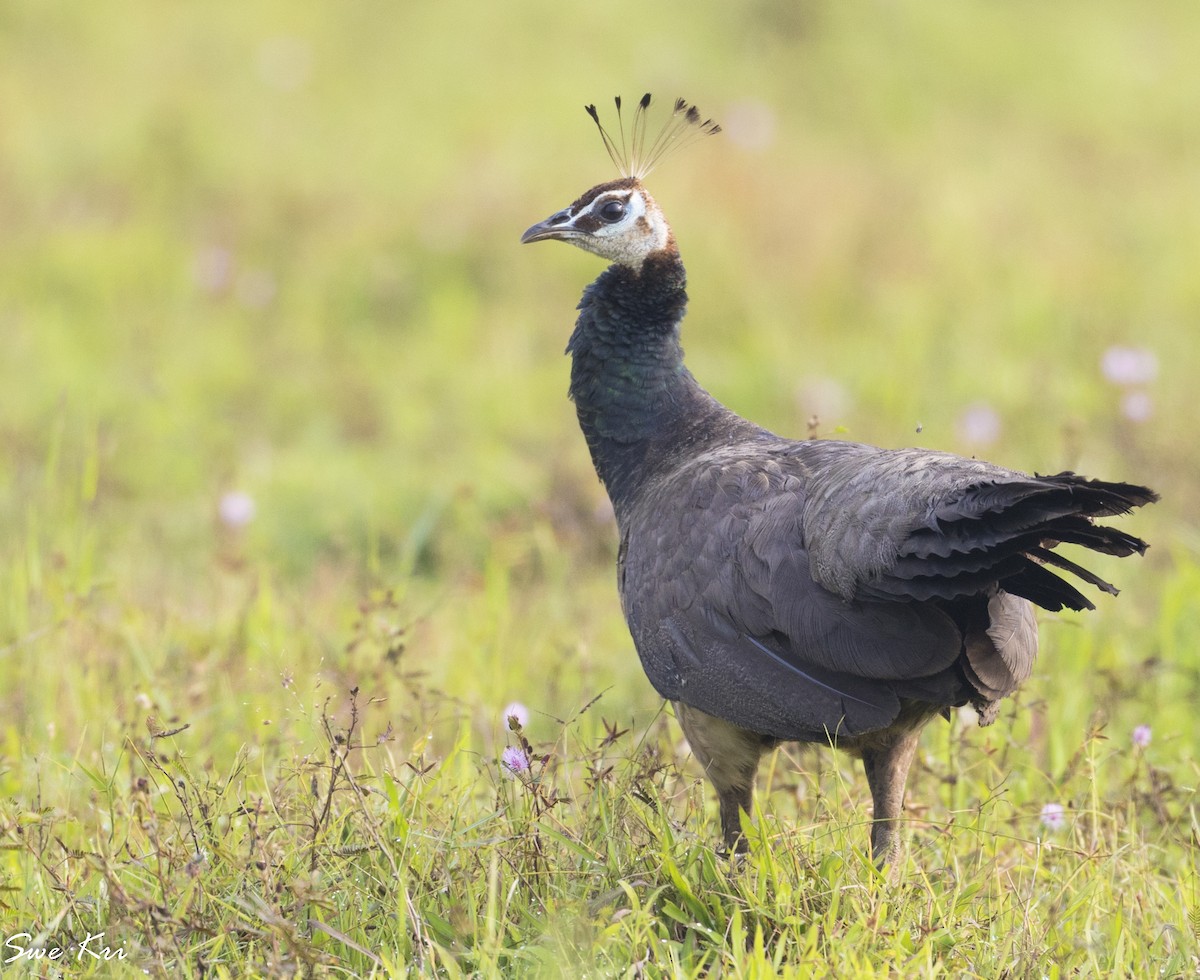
(817,590)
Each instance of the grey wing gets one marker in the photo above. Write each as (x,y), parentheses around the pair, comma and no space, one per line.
(911,525)
(728,618)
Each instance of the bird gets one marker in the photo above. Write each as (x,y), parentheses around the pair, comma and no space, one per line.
(815,590)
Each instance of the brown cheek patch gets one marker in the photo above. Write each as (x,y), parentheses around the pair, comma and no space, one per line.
(588,223)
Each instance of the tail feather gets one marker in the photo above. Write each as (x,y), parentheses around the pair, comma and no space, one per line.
(988,514)
(1049,557)
(1106,499)
(1095,537)
(1045,589)
(1003,533)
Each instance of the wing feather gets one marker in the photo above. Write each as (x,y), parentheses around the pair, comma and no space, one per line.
(809,588)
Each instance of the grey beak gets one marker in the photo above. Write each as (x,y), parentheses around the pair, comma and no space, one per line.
(556,226)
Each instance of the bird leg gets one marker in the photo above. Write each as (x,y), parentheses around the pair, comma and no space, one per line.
(730,756)
(886,762)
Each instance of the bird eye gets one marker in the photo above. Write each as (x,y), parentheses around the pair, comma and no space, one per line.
(613,211)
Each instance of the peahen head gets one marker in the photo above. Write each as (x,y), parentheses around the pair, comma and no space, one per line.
(619,220)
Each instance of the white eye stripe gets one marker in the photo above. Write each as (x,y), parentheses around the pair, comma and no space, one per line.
(632,204)
(619,198)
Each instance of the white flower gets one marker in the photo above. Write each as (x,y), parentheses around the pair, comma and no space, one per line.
(236,509)
(1053,816)
(212,268)
(515,709)
(750,124)
(1137,406)
(1129,365)
(979,425)
(825,398)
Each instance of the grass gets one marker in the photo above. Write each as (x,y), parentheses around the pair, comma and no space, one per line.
(274,252)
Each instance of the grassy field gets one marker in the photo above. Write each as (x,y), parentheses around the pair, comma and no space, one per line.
(293,505)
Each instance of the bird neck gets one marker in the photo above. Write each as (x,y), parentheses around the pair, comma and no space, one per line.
(637,403)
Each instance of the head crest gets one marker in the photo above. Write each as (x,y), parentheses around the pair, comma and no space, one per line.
(632,157)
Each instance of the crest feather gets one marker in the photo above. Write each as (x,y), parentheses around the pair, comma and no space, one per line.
(631,157)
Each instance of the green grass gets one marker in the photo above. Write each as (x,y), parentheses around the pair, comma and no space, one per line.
(274,251)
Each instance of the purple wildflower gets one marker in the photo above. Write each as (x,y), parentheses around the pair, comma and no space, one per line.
(1053,816)
(1141,736)
(1129,365)
(979,425)
(515,760)
(236,509)
(1137,406)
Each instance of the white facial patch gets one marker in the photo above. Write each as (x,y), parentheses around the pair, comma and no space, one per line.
(641,231)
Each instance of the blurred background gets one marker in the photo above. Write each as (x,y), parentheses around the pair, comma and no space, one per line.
(282,400)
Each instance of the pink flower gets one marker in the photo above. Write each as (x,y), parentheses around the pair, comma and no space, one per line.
(979,425)
(212,269)
(1137,406)
(515,760)
(1053,816)
(750,124)
(236,509)
(1129,365)
(1141,736)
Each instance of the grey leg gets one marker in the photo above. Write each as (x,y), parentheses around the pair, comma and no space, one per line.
(730,757)
(887,762)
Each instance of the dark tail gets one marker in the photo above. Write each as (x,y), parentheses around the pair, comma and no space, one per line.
(1005,532)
